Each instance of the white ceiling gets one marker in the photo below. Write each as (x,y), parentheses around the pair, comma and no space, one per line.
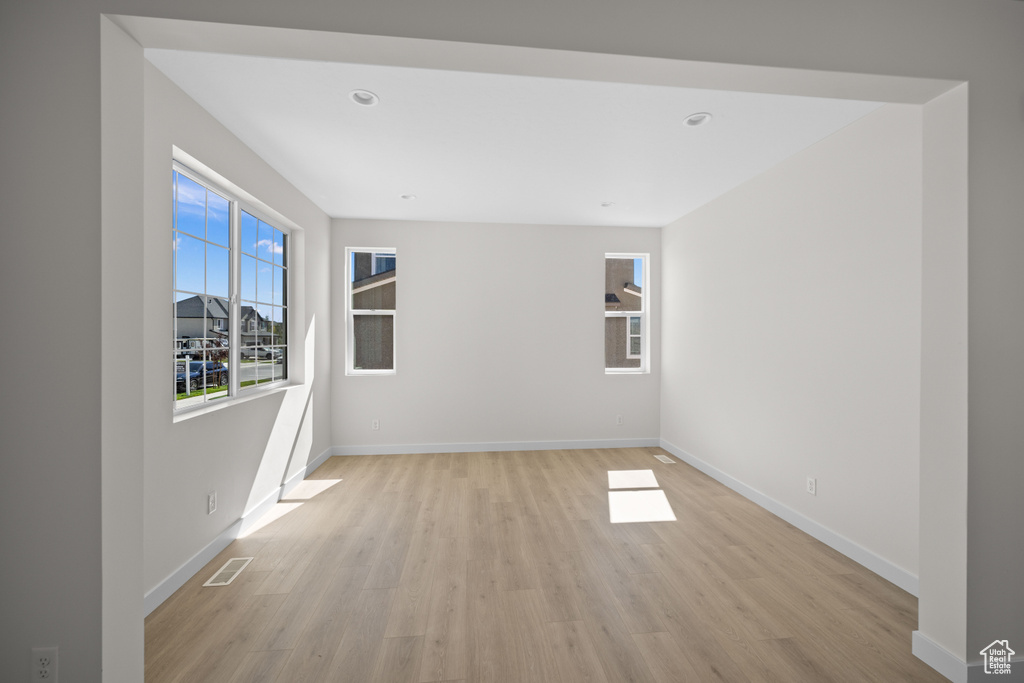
(498,148)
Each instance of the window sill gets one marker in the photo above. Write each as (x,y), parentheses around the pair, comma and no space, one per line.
(220,404)
(627,371)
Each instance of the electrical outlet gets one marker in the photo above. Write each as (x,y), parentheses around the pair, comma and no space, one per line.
(618,420)
(44,664)
(211,502)
(375,424)
(812,486)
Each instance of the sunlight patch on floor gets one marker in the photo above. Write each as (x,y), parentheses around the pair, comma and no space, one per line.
(639,506)
(273,514)
(308,488)
(632,479)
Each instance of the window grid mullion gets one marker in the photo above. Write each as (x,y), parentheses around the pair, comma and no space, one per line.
(235,306)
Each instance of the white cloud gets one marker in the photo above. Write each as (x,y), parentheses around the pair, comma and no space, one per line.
(269,244)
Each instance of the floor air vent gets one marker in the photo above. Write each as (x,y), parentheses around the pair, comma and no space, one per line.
(229,571)
(665,459)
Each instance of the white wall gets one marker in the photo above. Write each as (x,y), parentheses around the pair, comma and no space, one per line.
(122,420)
(791,326)
(499,338)
(942,604)
(247,450)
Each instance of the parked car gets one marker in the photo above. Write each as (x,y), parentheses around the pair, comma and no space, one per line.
(262,352)
(213,373)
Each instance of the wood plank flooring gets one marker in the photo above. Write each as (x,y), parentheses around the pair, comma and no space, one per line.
(504,568)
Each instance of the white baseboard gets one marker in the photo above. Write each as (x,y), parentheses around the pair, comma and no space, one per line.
(879,565)
(976,671)
(166,588)
(938,658)
(954,668)
(491,446)
(310,467)
(253,514)
(193,566)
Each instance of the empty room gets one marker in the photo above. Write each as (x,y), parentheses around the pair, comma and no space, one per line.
(759,259)
(751,464)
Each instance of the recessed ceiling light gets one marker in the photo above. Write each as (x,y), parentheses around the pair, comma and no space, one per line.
(408,196)
(364,98)
(698,119)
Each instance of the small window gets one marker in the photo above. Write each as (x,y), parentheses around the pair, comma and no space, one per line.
(625,313)
(371,284)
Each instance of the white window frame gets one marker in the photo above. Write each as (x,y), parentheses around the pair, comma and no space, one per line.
(351,313)
(373,266)
(286,305)
(643,314)
(235,208)
(630,336)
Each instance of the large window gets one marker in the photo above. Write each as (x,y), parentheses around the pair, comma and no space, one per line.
(370,285)
(626,346)
(230,309)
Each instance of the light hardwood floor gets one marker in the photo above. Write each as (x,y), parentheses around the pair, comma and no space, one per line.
(504,567)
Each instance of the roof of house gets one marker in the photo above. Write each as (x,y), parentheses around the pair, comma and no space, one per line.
(379,278)
(610,298)
(192,307)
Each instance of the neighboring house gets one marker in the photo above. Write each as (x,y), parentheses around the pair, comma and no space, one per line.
(375,292)
(196,320)
(621,294)
(256,330)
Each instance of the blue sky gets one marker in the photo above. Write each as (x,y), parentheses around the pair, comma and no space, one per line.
(201,257)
